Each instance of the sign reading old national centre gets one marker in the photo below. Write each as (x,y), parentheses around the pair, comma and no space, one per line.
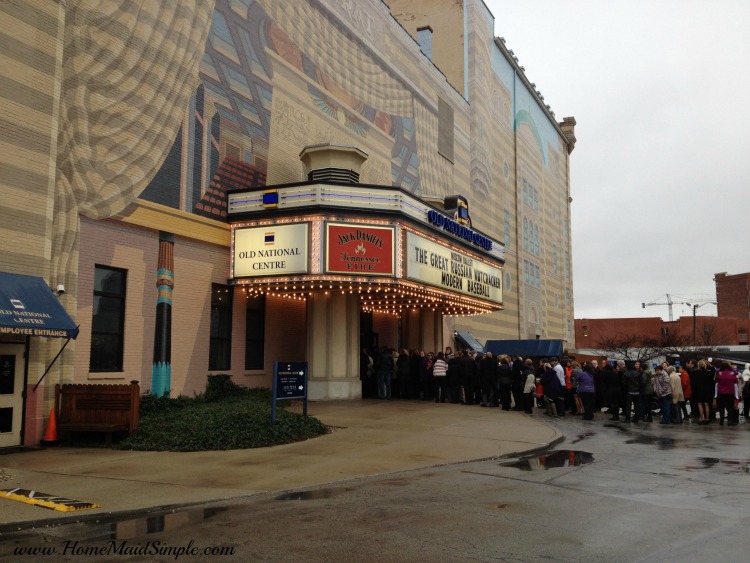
(271,250)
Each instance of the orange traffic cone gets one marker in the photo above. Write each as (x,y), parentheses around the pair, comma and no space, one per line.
(50,436)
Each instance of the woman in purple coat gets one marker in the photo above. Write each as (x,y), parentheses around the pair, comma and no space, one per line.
(586,391)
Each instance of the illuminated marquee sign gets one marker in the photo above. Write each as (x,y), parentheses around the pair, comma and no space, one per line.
(270,250)
(437,265)
(352,248)
(459,230)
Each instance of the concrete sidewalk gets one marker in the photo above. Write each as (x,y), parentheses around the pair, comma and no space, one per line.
(370,438)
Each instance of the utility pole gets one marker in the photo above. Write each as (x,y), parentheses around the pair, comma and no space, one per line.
(695,307)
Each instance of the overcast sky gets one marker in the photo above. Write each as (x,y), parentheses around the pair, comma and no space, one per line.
(660,90)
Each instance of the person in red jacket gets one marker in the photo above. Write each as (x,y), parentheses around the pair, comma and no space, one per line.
(686,391)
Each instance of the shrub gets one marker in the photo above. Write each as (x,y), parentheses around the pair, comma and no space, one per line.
(226,416)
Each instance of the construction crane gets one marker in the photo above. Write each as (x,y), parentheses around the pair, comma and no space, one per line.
(670,302)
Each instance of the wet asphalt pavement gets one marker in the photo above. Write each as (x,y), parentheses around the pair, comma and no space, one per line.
(610,491)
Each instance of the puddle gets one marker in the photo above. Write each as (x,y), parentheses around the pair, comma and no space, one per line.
(727,466)
(314,494)
(552,459)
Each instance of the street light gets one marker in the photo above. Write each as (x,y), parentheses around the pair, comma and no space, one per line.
(695,307)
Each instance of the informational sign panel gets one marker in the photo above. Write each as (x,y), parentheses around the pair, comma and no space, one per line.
(434,264)
(366,250)
(289,382)
(271,250)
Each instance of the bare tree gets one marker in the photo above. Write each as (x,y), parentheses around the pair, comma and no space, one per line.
(643,348)
(708,334)
(628,347)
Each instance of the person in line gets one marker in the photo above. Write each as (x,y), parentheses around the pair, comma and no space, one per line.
(439,377)
(612,391)
(366,372)
(703,390)
(529,387)
(647,394)
(601,401)
(675,381)
(687,391)
(745,379)
(587,391)
(425,376)
(663,392)
(469,377)
(488,379)
(560,371)
(403,369)
(504,382)
(454,379)
(631,381)
(725,392)
(517,384)
(385,370)
(553,390)
(575,369)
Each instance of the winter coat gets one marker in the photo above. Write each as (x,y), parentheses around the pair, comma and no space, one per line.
(553,389)
(686,387)
(631,381)
(585,382)
(675,381)
(661,383)
(726,383)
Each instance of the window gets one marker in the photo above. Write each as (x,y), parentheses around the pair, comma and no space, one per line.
(108,322)
(255,331)
(219,355)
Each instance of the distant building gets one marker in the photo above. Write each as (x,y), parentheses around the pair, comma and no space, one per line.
(733,295)
(685,331)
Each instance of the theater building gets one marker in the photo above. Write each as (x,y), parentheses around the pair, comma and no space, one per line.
(219,185)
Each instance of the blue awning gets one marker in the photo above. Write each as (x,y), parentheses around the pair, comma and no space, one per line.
(28,307)
(526,348)
(466,340)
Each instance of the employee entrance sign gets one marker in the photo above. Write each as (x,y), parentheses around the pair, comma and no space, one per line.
(289,382)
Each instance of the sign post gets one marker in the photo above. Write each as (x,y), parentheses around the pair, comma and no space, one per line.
(289,382)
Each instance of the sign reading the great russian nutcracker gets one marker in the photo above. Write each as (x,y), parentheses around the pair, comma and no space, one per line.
(437,265)
(359,249)
(270,250)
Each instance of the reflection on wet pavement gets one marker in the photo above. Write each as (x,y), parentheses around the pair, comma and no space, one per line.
(552,459)
(138,527)
(315,494)
(728,465)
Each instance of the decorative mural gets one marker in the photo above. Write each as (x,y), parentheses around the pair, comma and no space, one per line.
(224,141)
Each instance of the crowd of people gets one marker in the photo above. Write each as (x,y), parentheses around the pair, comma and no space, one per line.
(629,392)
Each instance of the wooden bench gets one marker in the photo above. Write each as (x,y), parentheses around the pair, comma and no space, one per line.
(97,408)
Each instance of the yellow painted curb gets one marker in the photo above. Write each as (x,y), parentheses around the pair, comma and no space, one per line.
(46,500)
